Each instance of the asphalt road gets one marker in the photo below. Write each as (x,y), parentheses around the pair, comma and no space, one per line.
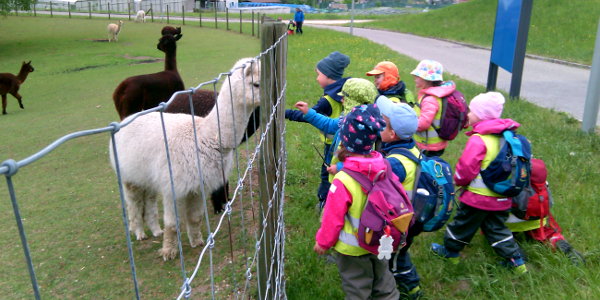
(548,84)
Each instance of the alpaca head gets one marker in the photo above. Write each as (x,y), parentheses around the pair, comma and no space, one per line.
(172,31)
(245,80)
(167,43)
(27,67)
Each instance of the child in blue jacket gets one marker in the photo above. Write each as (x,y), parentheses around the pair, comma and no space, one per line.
(329,76)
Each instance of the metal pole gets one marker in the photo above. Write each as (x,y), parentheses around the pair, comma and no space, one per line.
(151,12)
(108,5)
(167,13)
(68,7)
(240,21)
(519,59)
(253,23)
(352,19)
(128,11)
(592,100)
(183,14)
(200,16)
(90,9)
(215,4)
(492,77)
(227,17)
(51,15)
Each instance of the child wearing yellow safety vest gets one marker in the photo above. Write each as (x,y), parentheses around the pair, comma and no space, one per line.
(479,206)
(387,79)
(431,88)
(329,76)
(401,124)
(363,275)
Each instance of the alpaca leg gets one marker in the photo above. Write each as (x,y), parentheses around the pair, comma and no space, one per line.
(134,198)
(19,98)
(151,213)
(3,104)
(169,248)
(193,211)
(219,197)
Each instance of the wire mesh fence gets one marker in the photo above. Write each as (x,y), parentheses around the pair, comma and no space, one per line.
(179,160)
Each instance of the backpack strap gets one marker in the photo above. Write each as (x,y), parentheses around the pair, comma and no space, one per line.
(417,160)
(363,180)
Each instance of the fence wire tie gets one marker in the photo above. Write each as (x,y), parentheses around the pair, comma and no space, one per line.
(257,245)
(116,126)
(248,274)
(228,208)
(187,288)
(210,241)
(12,166)
(162,105)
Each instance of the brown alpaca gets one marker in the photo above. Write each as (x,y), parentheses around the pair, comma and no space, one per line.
(142,92)
(171,30)
(9,84)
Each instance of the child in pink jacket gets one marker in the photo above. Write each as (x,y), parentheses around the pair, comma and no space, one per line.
(431,88)
(363,275)
(479,206)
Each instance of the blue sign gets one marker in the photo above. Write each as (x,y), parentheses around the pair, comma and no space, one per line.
(505,33)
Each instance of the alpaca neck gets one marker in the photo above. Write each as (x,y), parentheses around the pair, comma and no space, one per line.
(23,74)
(118,28)
(226,116)
(170,61)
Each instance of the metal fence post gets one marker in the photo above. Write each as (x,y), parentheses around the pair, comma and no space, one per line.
(240,21)
(90,9)
(128,10)
(151,12)
(215,4)
(227,18)
(253,23)
(51,15)
(167,13)
(183,14)
(592,100)
(108,6)
(200,16)
(69,9)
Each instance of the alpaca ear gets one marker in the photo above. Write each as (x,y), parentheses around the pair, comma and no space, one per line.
(178,36)
(29,63)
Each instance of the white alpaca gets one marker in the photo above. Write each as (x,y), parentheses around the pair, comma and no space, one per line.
(113,31)
(144,168)
(141,16)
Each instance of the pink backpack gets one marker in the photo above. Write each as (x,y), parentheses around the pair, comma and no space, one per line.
(388,208)
(454,115)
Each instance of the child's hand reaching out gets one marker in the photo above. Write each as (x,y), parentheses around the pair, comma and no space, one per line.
(302,106)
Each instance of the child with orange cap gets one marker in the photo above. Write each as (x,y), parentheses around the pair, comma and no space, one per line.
(387,80)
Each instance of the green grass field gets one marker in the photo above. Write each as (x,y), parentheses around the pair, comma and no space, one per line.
(563,29)
(69,200)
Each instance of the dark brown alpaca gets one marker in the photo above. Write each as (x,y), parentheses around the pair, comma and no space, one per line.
(142,92)
(171,30)
(203,102)
(9,84)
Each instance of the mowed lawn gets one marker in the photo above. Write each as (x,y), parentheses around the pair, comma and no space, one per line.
(69,200)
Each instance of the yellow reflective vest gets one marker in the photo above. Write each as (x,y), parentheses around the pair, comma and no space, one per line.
(336,111)
(348,240)
(492,145)
(429,136)
(410,168)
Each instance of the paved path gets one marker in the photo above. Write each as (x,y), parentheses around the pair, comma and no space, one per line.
(547,84)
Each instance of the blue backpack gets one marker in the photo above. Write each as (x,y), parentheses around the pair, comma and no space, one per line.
(508,174)
(433,192)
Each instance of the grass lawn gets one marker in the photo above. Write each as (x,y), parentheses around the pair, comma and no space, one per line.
(69,200)
(563,29)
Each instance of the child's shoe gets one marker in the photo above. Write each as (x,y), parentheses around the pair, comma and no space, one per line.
(441,251)
(517,264)
(413,294)
(572,254)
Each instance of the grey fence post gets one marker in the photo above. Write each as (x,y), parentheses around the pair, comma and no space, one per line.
(253,23)
(200,16)
(275,60)
(183,14)
(90,9)
(34,10)
(227,18)
(108,6)
(152,13)
(167,13)
(51,15)
(69,9)
(592,100)
(215,4)
(240,21)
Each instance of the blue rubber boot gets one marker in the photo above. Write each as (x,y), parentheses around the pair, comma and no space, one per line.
(441,251)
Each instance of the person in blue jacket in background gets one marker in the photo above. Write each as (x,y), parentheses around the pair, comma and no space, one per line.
(299,19)
(329,76)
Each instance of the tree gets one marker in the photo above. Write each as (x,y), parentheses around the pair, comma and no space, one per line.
(9,5)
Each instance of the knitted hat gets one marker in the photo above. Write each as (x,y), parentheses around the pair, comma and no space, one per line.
(357,91)
(402,117)
(333,65)
(390,74)
(429,70)
(360,129)
(487,106)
